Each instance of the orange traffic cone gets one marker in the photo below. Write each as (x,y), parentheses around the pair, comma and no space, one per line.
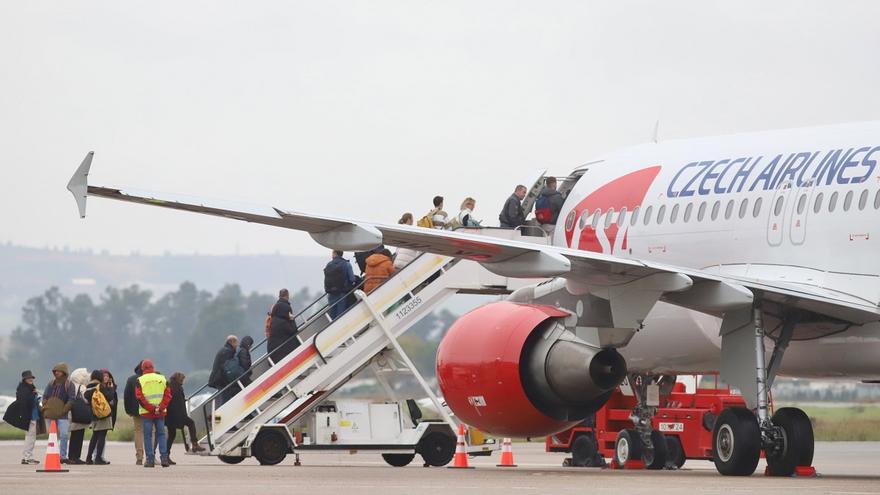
(506,454)
(460,461)
(52,464)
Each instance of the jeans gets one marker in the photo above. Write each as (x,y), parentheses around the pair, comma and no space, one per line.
(337,304)
(29,440)
(157,424)
(96,445)
(63,427)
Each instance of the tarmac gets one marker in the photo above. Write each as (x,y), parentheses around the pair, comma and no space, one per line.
(846,468)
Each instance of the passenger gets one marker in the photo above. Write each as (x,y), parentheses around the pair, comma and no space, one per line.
(80,379)
(100,426)
(465,217)
(177,418)
(130,403)
(218,379)
(338,281)
(548,206)
(282,331)
(24,414)
(153,397)
(244,360)
(379,269)
(512,215)
(435,218)
(110,383)
(404,256)
(57,402)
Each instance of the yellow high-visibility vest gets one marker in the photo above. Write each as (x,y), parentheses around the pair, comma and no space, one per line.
(153,387)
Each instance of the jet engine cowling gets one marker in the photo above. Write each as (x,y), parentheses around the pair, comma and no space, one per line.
(513,370)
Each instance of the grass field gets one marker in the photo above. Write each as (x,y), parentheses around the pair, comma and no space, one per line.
(124,431)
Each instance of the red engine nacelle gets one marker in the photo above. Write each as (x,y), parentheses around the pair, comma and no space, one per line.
(511,369)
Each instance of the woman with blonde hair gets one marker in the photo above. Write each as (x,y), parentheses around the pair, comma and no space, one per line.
(403,256)
(465,217)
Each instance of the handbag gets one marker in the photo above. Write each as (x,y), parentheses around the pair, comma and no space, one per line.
(82,411)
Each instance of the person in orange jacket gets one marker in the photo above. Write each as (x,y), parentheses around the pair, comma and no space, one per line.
(379,269)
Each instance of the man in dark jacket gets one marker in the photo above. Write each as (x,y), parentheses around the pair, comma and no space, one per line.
(217,379)
(244,359)
(24,414)
(338,281)
(512,215)
(282,330)
(549,205)
(131,409)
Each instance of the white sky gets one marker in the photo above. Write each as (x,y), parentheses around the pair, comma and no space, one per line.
(368,109)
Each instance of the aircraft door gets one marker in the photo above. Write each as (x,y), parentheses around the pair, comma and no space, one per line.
(776,216)
(803,200)
(535,187)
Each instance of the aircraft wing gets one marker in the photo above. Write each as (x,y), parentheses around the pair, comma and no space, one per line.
(607,276)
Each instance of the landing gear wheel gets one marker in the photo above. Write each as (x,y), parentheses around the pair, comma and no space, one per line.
(736,442)
(674,453)
(797,442)
(398,460)
(627,447)
(655,457)
(583,451)
(230,459)
(270,447)
(436,449)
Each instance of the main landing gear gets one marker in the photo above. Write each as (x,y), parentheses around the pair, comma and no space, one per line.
(740,435)
(643,442)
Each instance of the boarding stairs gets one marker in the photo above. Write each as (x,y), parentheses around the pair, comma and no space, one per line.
(332,352)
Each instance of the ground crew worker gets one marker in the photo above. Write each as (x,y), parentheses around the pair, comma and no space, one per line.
(153,396)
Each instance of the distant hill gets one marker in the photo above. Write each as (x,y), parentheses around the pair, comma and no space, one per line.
(26,272)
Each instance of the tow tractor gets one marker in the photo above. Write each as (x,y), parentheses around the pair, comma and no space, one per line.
(682,423)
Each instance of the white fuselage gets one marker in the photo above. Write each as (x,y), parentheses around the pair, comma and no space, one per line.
(795,207)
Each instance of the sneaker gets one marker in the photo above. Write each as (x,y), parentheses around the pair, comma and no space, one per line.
(89,462)
(197,448)
(33,461)
(149,464)
(165,463)
(25,462)
(170,461)
(75,461)
(139,462)
(101,462)
(63,461)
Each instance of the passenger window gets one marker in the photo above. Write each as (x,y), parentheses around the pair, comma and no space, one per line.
(802,203)
(621,218)
(847,201)
(715,208)
(756,210)
(583,221)
(687,212)
(777,209)
(661,213)
(609,217)
(832,202)
(634,217)
(863,200)
(818,205)
(647,215)
(729,210)
(569,221)
(701,212)
(877,200)
(743,207)
(673,216)
(595,222)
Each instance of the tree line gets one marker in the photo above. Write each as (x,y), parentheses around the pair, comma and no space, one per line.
(180,331)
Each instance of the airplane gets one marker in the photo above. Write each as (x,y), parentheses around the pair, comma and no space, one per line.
(684,256)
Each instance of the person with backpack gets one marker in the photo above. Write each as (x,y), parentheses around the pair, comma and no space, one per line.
(57,403)
(80,416)
(436,217)
(100,397)
(465,217)
(220,371)
(338,281)
(153,397)
(548,206)
(244,359)
(177,418)
(512,214)
(282,329)
(24,414)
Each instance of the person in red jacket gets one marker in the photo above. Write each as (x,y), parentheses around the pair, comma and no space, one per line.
(153,395)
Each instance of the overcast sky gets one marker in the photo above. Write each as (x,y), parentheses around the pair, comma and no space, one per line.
(369,109)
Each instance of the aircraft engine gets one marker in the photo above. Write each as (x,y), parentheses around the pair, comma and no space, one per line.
(513,370)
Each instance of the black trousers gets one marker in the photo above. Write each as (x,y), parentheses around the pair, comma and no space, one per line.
(96,445)
(75,444)
(172,433)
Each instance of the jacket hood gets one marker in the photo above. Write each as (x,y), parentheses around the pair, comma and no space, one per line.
(80,377)
(377,259)
(137,369)
(62,367)
(247,342)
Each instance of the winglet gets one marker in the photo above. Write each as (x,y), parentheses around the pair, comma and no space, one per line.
(79,183)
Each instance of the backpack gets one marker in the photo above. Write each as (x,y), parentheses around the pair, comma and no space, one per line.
(81,412)
(269,320)
(232,370)
(427,221)
(543,212)
(100,406)
(334,278)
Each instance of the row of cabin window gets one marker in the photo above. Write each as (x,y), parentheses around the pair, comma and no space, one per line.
(728,209)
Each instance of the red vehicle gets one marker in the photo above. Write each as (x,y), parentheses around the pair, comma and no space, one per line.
(684,421)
